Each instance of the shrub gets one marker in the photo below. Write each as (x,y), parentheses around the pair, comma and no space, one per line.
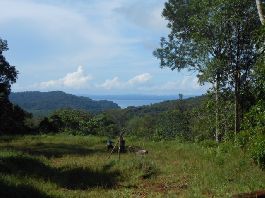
(254,120)
(257,150)
(142,168)
(209,144)
(243,138)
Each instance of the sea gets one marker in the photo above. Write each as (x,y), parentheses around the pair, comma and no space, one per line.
(125,101)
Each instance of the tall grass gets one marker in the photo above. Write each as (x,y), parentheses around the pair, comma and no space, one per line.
(77,166)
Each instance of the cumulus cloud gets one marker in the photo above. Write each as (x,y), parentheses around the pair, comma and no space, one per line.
(43,34)
(111,84)
(116,83)
(187,85)
(75,80)
(142,78)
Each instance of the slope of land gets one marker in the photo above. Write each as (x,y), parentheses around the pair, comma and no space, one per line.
(185,104)
(42,103)
(77,166)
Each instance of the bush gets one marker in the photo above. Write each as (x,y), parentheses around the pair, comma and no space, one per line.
(209,144)
(254,120)
(257,150)
(141,168)
(243,138)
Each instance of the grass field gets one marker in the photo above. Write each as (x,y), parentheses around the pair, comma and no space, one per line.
(76,166)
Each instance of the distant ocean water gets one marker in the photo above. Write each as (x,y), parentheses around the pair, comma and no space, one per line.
(126,102)
(134,100)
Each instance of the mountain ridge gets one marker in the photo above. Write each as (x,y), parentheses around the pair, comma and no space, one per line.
(42,103)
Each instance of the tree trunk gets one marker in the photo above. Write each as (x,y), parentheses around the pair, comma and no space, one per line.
(217,130)
(260,11)
(237,102)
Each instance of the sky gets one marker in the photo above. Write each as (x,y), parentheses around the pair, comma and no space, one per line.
(90,47)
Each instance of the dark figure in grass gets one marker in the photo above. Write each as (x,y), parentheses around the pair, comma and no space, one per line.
(109,145)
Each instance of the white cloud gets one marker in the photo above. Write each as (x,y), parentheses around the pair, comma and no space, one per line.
(111,84)
(75,80)
(48,35)
(186,85)
(142,78)
(116,83)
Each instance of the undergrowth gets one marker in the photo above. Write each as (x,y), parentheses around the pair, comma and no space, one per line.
(78,166)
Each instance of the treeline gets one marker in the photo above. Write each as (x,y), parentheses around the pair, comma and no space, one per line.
(190,119)
(174,119)
(43,103)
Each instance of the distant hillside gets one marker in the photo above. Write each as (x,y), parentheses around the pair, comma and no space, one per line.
(43,103)
(185,104)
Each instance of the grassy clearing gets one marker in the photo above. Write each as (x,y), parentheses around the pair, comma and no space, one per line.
(75,166)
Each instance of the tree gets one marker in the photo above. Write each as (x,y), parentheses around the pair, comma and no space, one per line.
(196,42)
(8,73)
(260,11)
(12,117)
(214,38)
(174,124)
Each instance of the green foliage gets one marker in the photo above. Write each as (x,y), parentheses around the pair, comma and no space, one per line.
(66,120)
(8,73)
(253,125)
(104,125)
(202,118)
(174,124)
(243,138)
(12,119)
(218,39)
(257,150)
(255,118)
(77,122)
(143,126)
(209,144)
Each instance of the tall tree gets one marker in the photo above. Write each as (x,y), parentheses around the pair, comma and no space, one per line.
(12,117)
(213,37)
(260,11)
(8,73)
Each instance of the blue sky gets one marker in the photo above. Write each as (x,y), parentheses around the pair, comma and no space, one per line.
(90,47)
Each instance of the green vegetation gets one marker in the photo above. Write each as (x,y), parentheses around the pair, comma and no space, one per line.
(223,40)
(43,103)
(207,146)
(12,117)
(166,120)
(77,166)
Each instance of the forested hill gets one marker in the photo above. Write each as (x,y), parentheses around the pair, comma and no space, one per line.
(43,103)
(185,104)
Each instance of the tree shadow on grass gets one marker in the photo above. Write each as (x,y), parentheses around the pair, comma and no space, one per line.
(66,177)
(6,139)
(52,149)
(25,166)
(84,178)
(20,191)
